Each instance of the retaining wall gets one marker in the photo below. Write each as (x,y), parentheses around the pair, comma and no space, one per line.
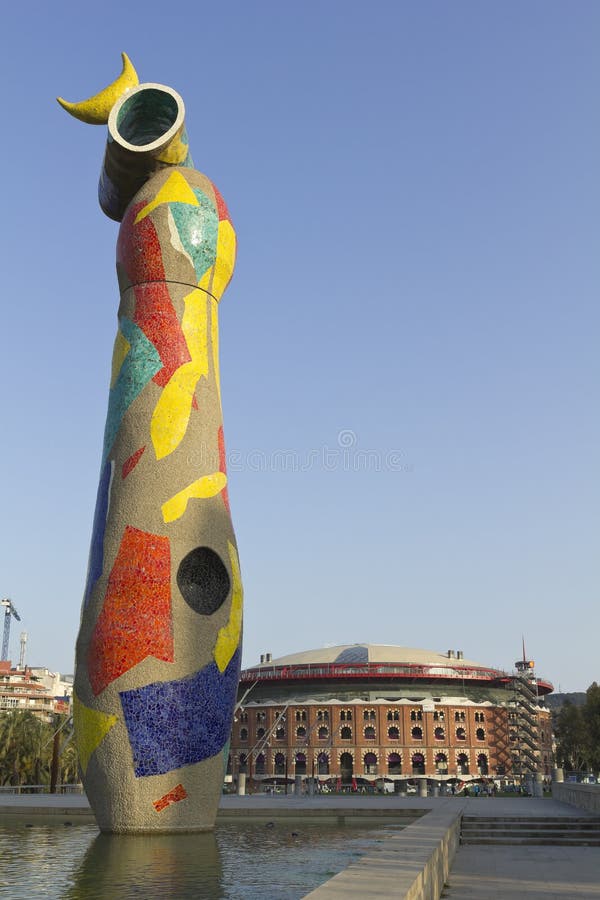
(585,796)
(412,865)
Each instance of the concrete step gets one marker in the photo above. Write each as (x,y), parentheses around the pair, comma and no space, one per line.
(516,840)
(532,832)
(561,819)
(566,831)
(530,826)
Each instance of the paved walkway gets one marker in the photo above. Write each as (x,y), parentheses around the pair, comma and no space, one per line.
(520,806)
(526,873)
(487,872)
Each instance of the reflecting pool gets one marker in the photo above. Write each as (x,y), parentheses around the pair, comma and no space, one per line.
(272,860)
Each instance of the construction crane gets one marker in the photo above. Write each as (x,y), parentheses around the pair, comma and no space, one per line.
(8,612)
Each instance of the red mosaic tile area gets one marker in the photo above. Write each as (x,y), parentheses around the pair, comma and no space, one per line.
(178,793)
(140,254)
(222,210)
(132,462)
(223,467)
(135,621)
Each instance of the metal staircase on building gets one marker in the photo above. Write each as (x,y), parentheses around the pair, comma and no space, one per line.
(526,753)
(263,743)
(565,831)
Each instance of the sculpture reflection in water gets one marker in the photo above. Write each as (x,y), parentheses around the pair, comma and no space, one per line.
(150,866)
(158,650)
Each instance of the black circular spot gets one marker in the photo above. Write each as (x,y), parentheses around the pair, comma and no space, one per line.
(203,580)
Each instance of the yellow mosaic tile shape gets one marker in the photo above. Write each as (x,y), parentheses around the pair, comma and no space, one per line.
(228,637)
(201,489)
(173,409)
(91,727)
(174,190)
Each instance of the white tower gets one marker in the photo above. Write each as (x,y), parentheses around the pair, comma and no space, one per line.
(23,645)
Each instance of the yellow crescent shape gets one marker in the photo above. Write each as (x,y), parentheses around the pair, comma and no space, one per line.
(96,110)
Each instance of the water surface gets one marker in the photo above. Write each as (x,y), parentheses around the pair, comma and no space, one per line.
(240,862)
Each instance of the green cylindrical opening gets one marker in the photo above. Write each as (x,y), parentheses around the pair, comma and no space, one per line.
(146,116)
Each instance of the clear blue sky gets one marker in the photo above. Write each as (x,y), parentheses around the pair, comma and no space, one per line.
(415,189)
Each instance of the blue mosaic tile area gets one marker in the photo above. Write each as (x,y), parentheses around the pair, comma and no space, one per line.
(97,548)
(178,723)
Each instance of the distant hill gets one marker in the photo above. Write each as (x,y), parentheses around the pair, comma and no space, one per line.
(555,701)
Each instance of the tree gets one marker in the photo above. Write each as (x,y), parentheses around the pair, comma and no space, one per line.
(26,744)
(21,747)
(591,714)
(572,739)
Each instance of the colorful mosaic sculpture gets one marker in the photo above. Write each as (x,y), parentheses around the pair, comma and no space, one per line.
(158,651)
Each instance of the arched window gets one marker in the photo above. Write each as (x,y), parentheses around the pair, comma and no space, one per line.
(389,715)
(441,763)
(260,716)
(243,734)
(323,764)
(370,764)
(279,764)
(369,733)
(417,733)
(300,763)
(482,764)
(301,731)
(394,764)
(280,733)
(346,767)
(260,733)
(346,733)
(439,733)
(480,734)
(418,764)
(323,733)
(394,733)
(259,765)
(243,763)
(462,764)
(461,734)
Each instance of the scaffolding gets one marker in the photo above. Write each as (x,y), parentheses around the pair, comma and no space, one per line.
(523,725)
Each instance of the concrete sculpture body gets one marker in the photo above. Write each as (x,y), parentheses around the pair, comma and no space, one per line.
(158,651)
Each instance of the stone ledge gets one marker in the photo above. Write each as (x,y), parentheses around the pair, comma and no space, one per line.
(413,865)
(584,796)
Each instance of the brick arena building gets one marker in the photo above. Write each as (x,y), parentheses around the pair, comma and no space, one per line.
(368,711)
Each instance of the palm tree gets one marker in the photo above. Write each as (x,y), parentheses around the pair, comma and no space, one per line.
(24,753)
